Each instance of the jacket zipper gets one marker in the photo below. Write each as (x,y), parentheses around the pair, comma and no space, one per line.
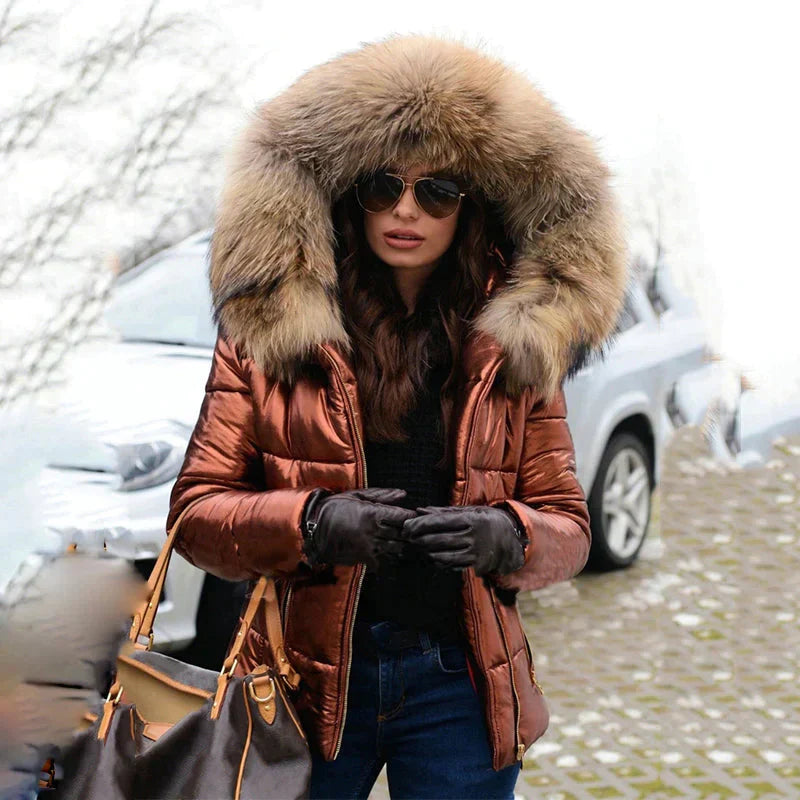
(468,451)
(519,746)
(361,568)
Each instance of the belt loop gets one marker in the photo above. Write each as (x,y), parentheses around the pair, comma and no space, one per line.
(425,640)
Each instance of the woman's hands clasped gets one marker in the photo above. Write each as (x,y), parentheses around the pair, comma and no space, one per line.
(486,538)
(367,526)
(355,526)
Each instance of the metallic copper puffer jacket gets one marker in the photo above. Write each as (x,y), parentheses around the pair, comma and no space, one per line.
(259,449)
(268,432)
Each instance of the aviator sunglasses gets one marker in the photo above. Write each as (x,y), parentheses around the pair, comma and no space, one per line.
(439,197)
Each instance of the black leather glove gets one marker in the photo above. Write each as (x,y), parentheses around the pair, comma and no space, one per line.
(355,526)
(487,538)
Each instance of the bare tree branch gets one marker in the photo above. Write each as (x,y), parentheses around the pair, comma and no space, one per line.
(139,168)
(11,27)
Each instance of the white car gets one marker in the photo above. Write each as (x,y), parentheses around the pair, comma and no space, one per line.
(623,409)
(143,391)
(146,388)
(763,423)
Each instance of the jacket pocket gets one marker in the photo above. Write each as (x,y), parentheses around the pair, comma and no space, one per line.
(450,658)
(531,667)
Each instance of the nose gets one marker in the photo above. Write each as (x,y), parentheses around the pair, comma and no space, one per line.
(406,206)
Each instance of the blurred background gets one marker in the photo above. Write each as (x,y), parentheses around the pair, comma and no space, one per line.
(674,655)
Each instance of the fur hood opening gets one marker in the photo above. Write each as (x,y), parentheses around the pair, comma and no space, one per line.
(414,98)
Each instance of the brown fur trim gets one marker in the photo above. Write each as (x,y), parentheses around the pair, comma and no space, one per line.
(420,98)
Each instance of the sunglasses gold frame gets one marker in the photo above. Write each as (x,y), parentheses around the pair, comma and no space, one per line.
(412,184)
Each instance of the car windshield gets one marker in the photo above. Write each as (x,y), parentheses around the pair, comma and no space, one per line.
(164,299)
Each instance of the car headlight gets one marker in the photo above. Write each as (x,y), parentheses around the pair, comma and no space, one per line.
(155,459)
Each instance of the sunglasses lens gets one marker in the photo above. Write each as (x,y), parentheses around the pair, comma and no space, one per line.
(379,191)
(438,197)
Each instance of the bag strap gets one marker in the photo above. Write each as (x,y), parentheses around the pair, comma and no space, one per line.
(142,625)
(263,590)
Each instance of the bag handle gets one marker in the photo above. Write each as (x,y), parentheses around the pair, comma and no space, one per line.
(142,625)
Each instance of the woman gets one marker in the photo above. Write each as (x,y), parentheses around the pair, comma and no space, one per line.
(436,368)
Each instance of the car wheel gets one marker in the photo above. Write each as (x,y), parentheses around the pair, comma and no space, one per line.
(217,616)
(620,503)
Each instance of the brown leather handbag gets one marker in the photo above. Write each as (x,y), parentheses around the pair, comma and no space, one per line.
(169,729)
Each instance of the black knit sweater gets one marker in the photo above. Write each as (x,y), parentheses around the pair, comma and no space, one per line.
(414,592)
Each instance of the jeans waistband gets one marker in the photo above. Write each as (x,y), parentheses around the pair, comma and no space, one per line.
(394,636)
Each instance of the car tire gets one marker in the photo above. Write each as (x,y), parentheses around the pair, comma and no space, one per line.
(217,617)
(620,514)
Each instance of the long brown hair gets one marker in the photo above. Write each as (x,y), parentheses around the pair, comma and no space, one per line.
(392,351)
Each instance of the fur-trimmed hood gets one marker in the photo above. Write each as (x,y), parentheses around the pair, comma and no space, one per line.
(413,98)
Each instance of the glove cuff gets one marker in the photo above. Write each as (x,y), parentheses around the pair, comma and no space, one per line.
(309,523)
(521,536)
(519,527)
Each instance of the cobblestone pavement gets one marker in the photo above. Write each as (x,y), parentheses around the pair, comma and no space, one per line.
(678,677)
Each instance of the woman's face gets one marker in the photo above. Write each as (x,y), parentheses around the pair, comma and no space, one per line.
(436,234)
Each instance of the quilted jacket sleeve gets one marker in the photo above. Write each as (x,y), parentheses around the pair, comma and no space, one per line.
(549,501)
(241,529)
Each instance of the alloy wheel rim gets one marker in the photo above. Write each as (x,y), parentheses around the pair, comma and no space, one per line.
(626,502)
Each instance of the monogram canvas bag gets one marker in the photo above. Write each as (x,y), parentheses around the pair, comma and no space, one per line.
(169,729)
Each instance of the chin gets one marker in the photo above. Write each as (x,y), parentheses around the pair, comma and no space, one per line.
(406,263)
(410,260)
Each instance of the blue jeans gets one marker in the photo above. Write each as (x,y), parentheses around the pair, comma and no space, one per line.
(411,705)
